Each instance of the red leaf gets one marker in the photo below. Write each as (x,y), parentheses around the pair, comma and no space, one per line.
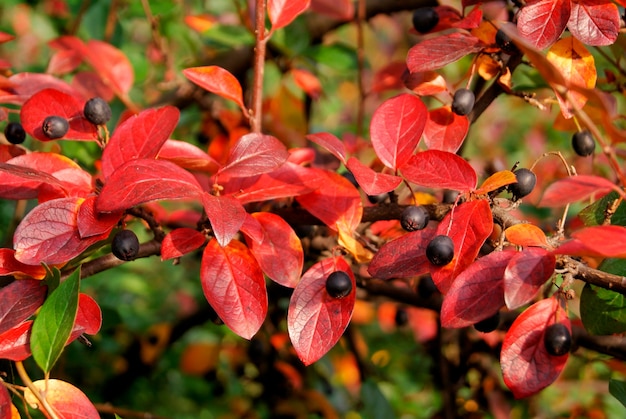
(24,85)
(527,367)
(403,257)
(396,128)
(252,229)
(426,83)
(543,21)
(226,215)
(93,223)
(66,400)
(605,240)
(576,188)
(19,300)
(187,156)
(528,270)
(440,169)
(342,10)
(88,316)
(50,102)
(6,405)
(181,241)
(48,234)
(308,82)
(279,253)
(234,285)
(254,154)
(316,321)
(445,130)
(477,293)
(594,22)
(335,201)
(389,77)
(439,51)
(139,137)
(331,143)
(10,266)
(19,182)
(144,180)
(15,342)
(468,225)
(282,12)
(217,80)
(372,182)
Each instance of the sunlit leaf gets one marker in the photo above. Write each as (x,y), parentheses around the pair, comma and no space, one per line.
(575,188)
(445,130)
(254,154)
(226,215)
(594,22)
(496,181)
(526,273)
(434,53)
(542,22)
(524,234)
(181,241)
(440,169)
(282,12)
(372,182)
(331,143)
(67,400)
(217,80)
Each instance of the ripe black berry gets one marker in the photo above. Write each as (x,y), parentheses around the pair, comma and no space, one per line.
(526,181)
(425,19)
(402,317)
(440,250)
(125,245)
(414,218)
(338,284)
(557,339)
(55,127)
(489,324)
(583,143)
(504,42)
(14,133)
(97,111)
(463,101)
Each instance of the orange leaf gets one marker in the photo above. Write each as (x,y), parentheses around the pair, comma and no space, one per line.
(217,80)
(526,235)
(68,401)
(495,181)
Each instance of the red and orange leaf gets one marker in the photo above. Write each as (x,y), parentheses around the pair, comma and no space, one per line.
(200,23)
(219,81)
(396,129)
(331,143)
(316,321)
(19,300)
(477,293)
(10,266)
(91,223)
(604,240)
(254,154)
(439,51)
(48,234)
(188,156)
(15,342)
(403,257)
(181,241)
(372,182)
(594,22)
(308,82)
(49,102)
(234,286)
(440,169)
(112,65)
(335,201)
(389,77)
(496,181)
(576,188)
(6,37)
(139,137)
(445,130)
(527,272)
(64,62)
(66,400)
(144,180)
(542,22)
(279,253)
(226,215)
(526,235)
(426,83)
(468,225)
(88,316)
(282,12)
(527,367)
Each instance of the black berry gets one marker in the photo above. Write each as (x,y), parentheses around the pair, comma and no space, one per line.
(402,317)
(426,287)
(55,127)
(504,42)
(526,181)
(440,250)
(583,143)
(450,196)
(97,111)
(463,101)
(414,218)
(425,19)
(338,284)
(14,133)
(557,339)
(489,324)
(377,199)
(125,245)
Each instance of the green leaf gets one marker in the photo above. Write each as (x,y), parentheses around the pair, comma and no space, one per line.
(336,56)
(52,279)
(53,325)
(594,214)
(602,311)
(618,390)
(375,405)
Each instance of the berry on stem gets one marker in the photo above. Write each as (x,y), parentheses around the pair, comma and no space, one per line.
(526,181)
(338,284)
(583,143)
(425,19)
(463,101)
(440,250)
(414,218)
(97,111)
(557,339)
(55,127)
(125,245)
(14,133)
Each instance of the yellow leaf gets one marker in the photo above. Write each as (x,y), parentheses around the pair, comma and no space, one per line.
(356,249)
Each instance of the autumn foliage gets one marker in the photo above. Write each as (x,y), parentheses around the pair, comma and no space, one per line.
(251,197)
